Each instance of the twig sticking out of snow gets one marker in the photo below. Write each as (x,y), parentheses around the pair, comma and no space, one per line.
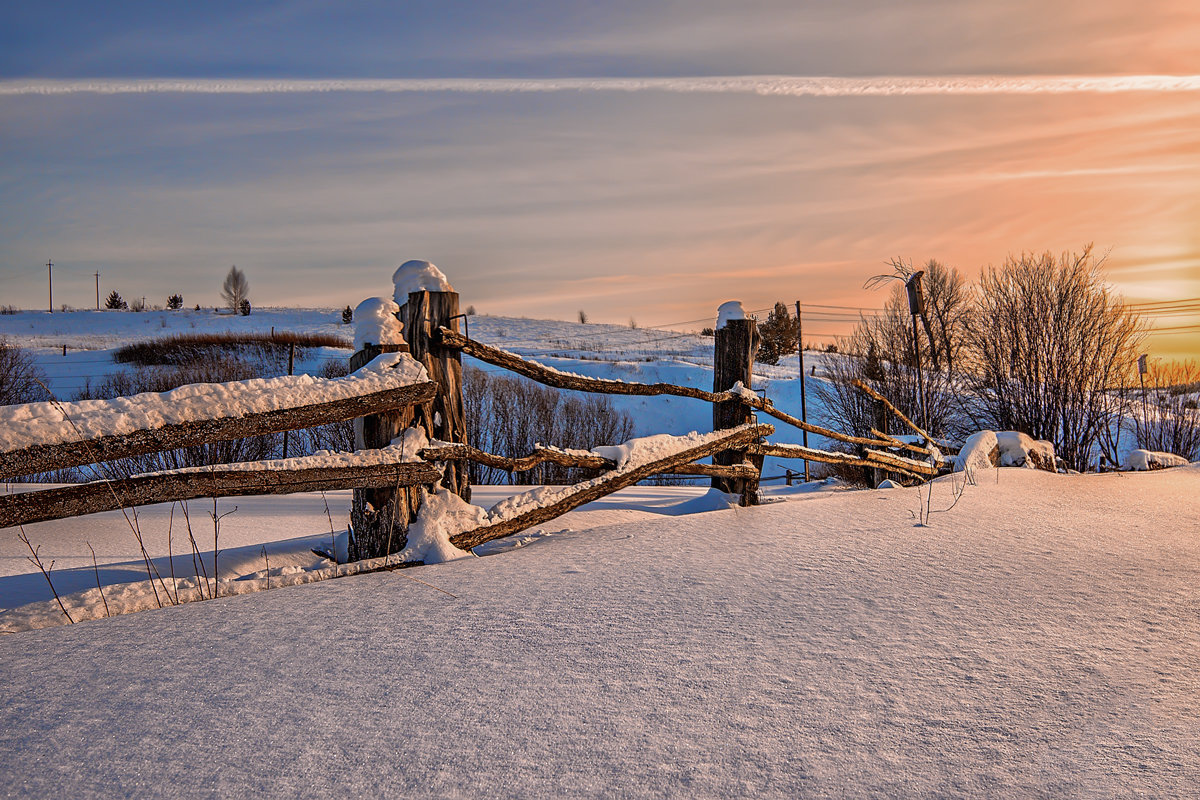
(36,560)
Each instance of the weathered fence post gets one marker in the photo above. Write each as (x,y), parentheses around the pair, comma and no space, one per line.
(442,418)
(736,344)
(379,518)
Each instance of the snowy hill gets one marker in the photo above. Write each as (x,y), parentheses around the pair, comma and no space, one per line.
(1039,639)
(1036,638)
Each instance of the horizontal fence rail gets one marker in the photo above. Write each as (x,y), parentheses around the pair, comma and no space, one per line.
(142,490)
(542,455)
(566,380)
(43,458)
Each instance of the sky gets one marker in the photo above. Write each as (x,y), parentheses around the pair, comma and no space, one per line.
(635,160)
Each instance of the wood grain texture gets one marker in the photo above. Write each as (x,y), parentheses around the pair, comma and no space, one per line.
(43,458)
(142,490)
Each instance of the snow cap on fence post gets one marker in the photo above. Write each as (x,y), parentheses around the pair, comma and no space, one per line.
(415,276)
(376,323)
(728,311)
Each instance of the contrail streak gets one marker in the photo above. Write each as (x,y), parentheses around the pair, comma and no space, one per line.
(767,85)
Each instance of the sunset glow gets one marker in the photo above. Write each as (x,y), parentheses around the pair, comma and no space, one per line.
(637,195)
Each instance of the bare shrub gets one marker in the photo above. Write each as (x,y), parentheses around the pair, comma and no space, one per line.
(186,349)
(336,436)
(164,379)
(509,416)
(19,376)
(1047,340)
(1169,420)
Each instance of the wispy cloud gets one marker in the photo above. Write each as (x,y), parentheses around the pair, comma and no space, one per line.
(768,85)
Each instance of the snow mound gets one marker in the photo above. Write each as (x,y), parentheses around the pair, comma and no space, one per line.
(415,276)
(981,451)
(442,515)
(1022,450)
(375,322)
(730,310)
(1143,460)
(987,449)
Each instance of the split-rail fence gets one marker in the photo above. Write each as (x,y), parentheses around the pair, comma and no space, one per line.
(388,488)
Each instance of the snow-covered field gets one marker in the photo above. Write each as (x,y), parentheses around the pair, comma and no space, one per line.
(1041,638)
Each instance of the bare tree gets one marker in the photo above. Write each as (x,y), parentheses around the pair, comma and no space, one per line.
(880,352)
(1047,342)
(235,290)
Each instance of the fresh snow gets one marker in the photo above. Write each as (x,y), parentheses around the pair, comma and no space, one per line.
(415,276)
(728,311)
(49,423)
(375,322)
(1039,639)
(1151,459)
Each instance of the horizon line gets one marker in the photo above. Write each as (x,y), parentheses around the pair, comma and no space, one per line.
(763,85)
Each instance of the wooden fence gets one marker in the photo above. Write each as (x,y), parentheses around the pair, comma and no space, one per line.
(389,487)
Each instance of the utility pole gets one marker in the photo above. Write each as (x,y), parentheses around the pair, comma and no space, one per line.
(803,400)
(97,290)
(1142,370)
(916,307)
(50,281)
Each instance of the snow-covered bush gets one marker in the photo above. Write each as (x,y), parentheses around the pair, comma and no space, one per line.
(986,449)
(1143,460)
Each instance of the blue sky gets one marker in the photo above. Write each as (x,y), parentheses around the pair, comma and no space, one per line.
(656,203)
